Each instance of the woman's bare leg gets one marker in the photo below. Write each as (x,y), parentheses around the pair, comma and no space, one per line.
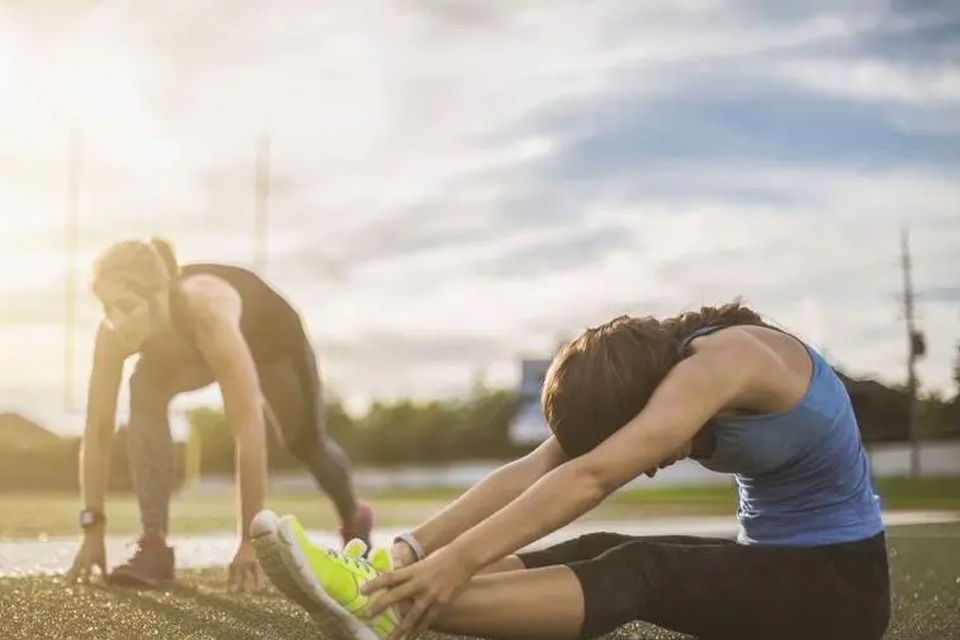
(510,563)
(529,604)
(510,601)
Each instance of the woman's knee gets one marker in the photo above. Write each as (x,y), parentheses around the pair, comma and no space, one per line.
(581,548)
(592,545)
(510,563)
(310,447)
(299,445)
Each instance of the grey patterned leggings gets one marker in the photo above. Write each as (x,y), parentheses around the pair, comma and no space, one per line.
(293,395)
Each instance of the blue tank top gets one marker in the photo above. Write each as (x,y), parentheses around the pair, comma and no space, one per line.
(803,476)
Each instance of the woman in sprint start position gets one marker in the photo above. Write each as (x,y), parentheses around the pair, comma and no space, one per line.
(194,325)
(623,399)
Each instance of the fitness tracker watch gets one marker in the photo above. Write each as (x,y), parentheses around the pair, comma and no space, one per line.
(90,518)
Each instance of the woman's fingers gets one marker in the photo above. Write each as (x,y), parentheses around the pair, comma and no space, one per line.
(391,597)
(410,620)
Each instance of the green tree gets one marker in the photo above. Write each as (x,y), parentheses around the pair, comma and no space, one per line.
(402,431)
(956,371)
(216,440)
(954,413)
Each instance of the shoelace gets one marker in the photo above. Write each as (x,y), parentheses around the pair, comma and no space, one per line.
(356,562)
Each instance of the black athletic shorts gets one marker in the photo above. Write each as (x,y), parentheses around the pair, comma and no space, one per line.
(717,589)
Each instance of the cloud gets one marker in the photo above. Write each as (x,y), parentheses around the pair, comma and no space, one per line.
(455,184)
(876,81)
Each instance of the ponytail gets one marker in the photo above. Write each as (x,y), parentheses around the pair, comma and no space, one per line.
(164,249)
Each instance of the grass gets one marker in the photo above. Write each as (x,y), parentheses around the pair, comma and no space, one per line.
(925,565)
(55,515)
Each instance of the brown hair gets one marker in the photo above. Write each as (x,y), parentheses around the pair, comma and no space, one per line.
(604,377)
(146,267)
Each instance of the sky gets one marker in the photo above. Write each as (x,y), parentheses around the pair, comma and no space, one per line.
(456,185)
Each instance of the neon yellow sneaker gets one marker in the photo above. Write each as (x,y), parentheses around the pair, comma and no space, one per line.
(277,563)
(323,581)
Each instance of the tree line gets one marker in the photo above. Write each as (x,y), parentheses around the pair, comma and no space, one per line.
(389,433)
(408,432)
(478,427)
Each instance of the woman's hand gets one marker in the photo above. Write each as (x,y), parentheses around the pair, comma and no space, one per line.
(92,554)
(244,572)
(402,554)
(424,588)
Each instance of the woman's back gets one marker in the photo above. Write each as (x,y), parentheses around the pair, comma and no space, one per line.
(803,474)
(270,325)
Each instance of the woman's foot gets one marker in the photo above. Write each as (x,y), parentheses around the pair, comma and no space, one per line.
(323,581)
(360,526)
(151,566)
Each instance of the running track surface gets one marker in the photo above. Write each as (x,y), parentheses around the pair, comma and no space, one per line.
(52,556)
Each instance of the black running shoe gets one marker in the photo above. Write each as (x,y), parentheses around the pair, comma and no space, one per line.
(151,566)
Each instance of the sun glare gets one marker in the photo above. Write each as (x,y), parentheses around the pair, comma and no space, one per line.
(22,209)
(12,95)
(8,81)
(88,81)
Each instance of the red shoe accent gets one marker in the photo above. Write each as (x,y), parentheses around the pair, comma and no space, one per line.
(360,526)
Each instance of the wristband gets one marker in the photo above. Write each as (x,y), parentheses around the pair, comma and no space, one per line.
(90,518)
(413,543)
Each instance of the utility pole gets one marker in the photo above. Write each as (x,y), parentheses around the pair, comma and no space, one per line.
(71,280)
(262,213)
(916,349)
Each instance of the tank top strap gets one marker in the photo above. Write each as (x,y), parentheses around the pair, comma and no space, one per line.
(702,331)
(713,328)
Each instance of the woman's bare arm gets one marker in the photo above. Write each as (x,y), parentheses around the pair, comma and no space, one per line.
(488,496)
(216,308)
(714,378)
(101,414)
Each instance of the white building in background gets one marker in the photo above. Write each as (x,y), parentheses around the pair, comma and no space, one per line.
(529,427)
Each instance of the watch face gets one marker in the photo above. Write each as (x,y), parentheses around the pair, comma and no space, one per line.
(88,518)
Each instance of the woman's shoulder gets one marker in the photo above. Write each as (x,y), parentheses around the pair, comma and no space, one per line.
(750,337)
(207,297)
(733,338)
(782,364)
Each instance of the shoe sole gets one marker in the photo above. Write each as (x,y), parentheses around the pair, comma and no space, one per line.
(286,568)
(139,582)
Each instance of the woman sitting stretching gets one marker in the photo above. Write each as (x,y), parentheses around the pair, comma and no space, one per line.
(720,386)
